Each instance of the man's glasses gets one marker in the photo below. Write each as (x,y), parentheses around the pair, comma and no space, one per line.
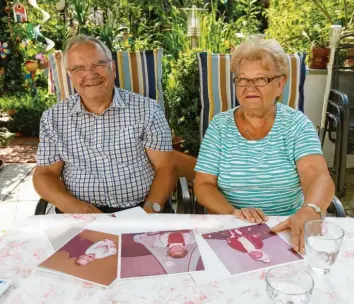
(80,72)
(258,82)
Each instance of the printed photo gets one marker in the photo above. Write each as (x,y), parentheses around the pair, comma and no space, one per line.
(91,256)
(249,248)
(159,253)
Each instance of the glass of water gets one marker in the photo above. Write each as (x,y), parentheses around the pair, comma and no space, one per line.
(289,285)
(322,243)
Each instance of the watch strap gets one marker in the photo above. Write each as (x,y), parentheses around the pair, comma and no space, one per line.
(316,208)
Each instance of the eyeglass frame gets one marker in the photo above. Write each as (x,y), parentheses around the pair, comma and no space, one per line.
(269,80)
(93,67)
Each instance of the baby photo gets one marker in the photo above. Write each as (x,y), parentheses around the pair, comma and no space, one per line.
(90,256)
(159,253)
(249,248)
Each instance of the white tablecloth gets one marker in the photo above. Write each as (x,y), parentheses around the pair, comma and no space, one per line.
(24,246)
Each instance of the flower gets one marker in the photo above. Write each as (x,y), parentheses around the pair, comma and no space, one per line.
(4,49)
(40,57)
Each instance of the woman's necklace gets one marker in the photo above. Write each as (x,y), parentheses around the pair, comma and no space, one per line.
(245,126)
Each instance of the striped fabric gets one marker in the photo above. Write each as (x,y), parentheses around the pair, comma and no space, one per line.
(217,89)
(63,85)
(139,72)
(259,173)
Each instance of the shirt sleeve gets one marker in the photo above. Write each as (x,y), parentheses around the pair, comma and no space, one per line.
(306,138)
(48,151)
(210,149)
(157,135)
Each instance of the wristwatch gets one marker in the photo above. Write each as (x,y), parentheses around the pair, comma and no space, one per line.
(316,208)
(154,206)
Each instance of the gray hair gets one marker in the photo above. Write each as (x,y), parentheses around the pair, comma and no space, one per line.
(265,50)
(82,39)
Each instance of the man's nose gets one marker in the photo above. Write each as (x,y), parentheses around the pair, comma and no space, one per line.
(90,72)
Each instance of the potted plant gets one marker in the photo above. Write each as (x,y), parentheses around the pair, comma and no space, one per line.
(319,47)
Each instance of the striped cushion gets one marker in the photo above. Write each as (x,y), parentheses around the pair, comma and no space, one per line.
(217,89)
(140,72)
(63,85)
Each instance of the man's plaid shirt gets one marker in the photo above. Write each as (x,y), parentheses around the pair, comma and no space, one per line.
(104,155)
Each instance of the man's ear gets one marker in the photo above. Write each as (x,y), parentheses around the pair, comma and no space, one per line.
(114,68)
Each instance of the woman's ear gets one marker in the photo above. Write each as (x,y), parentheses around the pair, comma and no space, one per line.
(281,85)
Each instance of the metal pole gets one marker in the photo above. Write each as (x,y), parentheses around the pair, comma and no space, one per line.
(335,33)
(194,41)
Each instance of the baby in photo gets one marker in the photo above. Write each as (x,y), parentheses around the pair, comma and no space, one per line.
(98,250)
(175,242)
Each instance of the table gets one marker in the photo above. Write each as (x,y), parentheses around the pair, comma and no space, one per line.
(25,245)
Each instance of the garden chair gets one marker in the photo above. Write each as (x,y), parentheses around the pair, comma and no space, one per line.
(341,108)
(217,94)
(140,72)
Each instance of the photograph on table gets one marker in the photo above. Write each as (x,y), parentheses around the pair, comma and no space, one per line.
(249,248)
(159,253)
(91,256)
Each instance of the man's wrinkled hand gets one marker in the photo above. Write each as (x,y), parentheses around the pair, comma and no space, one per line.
(83,207)
(296,223)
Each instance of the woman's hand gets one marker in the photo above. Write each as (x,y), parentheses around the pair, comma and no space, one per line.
(296,223)
(253,215)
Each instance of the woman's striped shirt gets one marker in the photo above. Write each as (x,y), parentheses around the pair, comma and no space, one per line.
(259,173)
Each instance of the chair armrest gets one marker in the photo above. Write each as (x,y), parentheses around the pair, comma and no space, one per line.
(41,207)
(184,201)
(338,207)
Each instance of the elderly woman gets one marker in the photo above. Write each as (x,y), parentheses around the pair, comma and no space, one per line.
(262,157)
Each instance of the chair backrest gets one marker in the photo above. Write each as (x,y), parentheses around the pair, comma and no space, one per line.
(139,72)
(343,67)
(218,92)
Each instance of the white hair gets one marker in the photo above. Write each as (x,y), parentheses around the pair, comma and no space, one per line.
(82,39)
(257,48)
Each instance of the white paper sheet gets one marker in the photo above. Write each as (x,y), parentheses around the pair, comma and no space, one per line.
(215,269)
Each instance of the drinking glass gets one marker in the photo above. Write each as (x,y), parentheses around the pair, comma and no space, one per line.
(322,243)
(286,285)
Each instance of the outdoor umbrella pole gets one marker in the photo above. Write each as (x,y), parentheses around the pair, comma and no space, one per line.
(335,33)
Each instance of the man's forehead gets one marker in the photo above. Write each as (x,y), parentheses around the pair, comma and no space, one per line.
(81,51)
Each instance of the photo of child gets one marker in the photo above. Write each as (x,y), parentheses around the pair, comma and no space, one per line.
(98,250)
(249,248)
(90,255)
(158,253)
(249,244)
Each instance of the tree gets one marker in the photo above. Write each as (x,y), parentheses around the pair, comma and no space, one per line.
(11,66)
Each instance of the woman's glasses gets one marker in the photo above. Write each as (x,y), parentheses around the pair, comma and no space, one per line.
(258,81)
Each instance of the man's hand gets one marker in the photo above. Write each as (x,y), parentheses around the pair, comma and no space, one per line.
(296,223)
(82,207)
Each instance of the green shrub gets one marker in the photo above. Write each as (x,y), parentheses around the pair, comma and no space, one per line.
(28,110)
(301,24)
(183,99)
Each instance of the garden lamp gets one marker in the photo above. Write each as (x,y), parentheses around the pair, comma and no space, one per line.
(193,23)
(334,37)
(60,5)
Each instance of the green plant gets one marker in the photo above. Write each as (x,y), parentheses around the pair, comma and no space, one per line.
(182,95)
(28,110)
(300,32)
(80,12)
(11,79)
(5,135)
(220,32)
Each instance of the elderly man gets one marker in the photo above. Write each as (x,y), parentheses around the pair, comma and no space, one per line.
(103,149)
